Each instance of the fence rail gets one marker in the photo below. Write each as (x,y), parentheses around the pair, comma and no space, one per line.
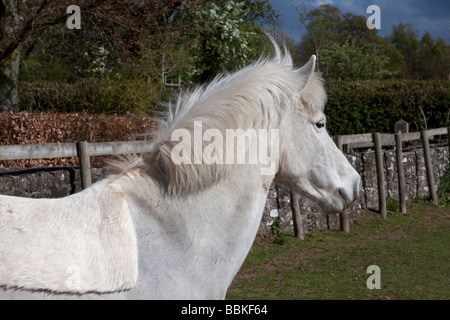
(82,150)
(66,150)
(365,140)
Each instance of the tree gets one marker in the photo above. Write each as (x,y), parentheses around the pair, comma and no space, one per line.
(352,62)
(19,19)
(230,37)
(130,38)
(425,58)
(119,26)
(434,58)
(345,47)
(404,38)
(322,26)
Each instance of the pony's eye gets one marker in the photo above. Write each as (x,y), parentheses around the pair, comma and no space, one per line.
(320,124)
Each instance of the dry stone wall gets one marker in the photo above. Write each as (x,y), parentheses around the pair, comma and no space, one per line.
(43,182)
(60,182)
(278,200)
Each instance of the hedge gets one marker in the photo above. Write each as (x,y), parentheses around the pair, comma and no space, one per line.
(352,107)
(53,127)
(90,95)
(375,105)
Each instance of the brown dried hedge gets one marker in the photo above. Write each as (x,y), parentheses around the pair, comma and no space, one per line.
(52,127)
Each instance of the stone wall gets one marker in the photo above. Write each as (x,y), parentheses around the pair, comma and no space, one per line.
(60,182)
(43,182)
(278,201)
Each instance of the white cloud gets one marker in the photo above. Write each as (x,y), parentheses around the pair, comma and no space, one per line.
(351,6)
(321,2)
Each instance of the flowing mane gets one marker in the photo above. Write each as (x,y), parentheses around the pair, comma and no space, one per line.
(254,97)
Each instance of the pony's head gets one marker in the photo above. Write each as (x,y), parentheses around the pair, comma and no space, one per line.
(310,162)
(270,94)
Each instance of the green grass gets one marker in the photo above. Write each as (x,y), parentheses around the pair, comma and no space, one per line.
(412,252)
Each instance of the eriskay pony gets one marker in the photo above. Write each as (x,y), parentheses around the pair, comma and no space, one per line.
(156,229)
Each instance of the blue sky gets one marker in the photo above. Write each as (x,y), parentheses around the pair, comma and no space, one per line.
(425,15)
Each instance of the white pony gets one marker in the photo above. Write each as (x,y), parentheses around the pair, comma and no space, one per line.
(166,230)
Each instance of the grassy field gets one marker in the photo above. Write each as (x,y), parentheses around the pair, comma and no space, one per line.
(412,252)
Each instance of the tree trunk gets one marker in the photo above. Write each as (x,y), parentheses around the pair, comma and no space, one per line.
(9,81)
(9,61)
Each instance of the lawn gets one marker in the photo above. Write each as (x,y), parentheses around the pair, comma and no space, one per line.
(412,252)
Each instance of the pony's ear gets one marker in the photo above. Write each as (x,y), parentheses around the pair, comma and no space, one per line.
(307,70)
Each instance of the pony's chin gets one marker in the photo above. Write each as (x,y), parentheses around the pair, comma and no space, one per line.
(329,203)
(332,208)
(332,205)
(337,201)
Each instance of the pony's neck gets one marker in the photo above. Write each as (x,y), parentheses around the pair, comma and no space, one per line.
(201,240)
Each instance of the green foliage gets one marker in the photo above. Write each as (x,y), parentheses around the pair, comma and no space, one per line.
(91,95)
(230,38)
(29,66)
(374,106)
(392,205)
(404,38)
(443,191)
(425,58)
(199,39)
(188,40)
(36,69)
(349,61)
(345,47)
(280,237)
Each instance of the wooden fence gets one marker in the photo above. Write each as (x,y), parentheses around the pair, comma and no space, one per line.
(377,141)
(85,150)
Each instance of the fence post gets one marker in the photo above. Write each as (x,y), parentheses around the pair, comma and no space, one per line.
(85,164)
(344,221)
(343,215)
(380,174)
(428,166)
(339,143)
(297,216)
(400,173)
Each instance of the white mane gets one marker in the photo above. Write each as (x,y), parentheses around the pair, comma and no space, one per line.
(254,97)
